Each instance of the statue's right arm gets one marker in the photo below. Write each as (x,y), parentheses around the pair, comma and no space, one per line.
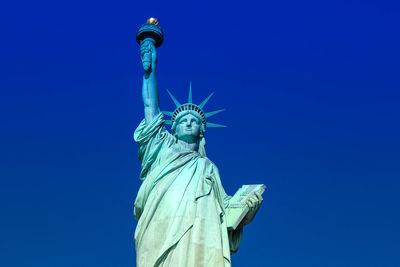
(149,89)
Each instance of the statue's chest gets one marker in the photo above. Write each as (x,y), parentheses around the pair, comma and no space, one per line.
(192,176)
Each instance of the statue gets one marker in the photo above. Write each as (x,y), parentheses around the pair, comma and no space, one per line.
(181,207)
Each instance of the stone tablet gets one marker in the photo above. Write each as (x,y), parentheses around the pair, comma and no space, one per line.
(238,208)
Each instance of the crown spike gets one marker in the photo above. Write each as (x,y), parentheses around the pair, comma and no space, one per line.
(177,104)
(212,113)
(206,100)
(209,124)
(168,113)
(190,93)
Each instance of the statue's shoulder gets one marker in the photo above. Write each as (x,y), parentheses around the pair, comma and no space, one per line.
(210,164)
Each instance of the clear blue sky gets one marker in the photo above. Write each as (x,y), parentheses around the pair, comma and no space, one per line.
(311,91)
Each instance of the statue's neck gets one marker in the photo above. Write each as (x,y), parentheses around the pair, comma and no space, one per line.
(192,146)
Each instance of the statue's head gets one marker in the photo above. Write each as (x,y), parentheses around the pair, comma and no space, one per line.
(189,120)
(189,127)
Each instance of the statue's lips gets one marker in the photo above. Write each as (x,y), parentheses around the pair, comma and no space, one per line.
(188,130)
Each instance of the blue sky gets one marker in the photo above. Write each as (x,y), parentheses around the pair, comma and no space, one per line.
(311,91)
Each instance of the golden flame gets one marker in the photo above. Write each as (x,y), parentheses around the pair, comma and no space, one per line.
(153,21)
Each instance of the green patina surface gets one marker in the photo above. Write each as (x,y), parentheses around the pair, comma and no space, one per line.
(181,205)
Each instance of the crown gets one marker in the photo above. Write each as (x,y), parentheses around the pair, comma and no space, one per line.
(190,107)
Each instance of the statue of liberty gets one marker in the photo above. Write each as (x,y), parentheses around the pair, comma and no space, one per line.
(181,207)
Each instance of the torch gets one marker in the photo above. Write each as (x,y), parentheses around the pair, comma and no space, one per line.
(149,32)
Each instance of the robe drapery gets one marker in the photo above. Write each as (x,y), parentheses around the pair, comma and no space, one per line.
(180,206)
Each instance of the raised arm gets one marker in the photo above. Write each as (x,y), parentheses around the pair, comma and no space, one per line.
(148,55)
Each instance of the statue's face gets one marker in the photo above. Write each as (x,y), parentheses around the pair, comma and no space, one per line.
(188,128)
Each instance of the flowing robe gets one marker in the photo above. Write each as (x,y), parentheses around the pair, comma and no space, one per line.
(180,206)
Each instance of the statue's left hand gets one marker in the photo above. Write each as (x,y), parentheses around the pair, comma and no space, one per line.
(254,203)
